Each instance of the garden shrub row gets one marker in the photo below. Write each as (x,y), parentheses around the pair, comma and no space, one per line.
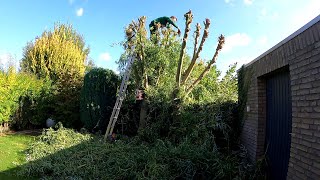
(98,96)
(14,88)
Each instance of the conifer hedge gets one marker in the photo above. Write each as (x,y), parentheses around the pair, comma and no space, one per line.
(98,96)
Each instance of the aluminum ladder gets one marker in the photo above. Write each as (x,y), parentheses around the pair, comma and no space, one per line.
(120,98)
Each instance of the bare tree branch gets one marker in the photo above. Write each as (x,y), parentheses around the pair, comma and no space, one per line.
(196,39)
(197,54)
(213,60)
(189,18)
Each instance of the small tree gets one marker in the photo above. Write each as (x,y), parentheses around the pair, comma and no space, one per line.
(150,55)
(60,56)
(164,69)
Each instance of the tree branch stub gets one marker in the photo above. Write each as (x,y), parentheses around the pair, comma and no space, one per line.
(221,42)
(197,54)
(189,17)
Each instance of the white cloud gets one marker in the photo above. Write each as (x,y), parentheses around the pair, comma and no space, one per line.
(104,56)
(4,58)
(116,71)
(263,40)
(310,11)
(229,2)
(71,1)
(104,61)
(80,12)
(263,12)
(266,15)
(235,40)
(248,2)
(274,15)
(7,60)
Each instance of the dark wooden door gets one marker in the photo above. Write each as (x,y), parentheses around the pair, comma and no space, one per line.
(279,121)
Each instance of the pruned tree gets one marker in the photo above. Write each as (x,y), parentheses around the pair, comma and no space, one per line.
(189,86)
(207,69)
(164,69)
(186,79)
(59,55)
(136,37)
(188,17)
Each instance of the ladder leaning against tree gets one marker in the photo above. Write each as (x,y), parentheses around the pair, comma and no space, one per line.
(121,95)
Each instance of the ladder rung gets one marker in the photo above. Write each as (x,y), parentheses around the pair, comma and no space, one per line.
(121,96)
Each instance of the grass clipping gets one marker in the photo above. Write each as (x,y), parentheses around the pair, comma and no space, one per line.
(67,154)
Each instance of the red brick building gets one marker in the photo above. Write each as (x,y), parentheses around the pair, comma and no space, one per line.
(281,105)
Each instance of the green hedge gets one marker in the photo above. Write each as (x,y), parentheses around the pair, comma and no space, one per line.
(13,87)
(98,96)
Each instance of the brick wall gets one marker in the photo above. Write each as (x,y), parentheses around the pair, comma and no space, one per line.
(301,55)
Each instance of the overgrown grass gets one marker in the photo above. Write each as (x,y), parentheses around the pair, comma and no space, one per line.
(70,155)
(12,152)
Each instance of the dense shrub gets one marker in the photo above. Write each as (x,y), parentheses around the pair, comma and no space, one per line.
(26,101)
(60,56)
(98,96)
(59,102)
(32,111)
(198,122)
(66,101)
(14,88)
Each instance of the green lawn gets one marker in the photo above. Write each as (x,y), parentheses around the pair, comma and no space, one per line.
(12,152)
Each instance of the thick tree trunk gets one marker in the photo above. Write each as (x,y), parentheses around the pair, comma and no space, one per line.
(143,114)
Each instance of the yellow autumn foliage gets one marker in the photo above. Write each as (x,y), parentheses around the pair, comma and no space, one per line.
(56,54)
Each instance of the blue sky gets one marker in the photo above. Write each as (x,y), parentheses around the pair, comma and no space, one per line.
(251,26)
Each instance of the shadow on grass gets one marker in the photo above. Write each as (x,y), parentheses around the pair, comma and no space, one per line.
(64,164)
(12,151)
(90,159)
(8,175)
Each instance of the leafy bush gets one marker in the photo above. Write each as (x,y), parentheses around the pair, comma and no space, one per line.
(65,101)
(67,154)
(32,111)
(13,88)
(98,96)
(26,101)
(59,101)
(198,122)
